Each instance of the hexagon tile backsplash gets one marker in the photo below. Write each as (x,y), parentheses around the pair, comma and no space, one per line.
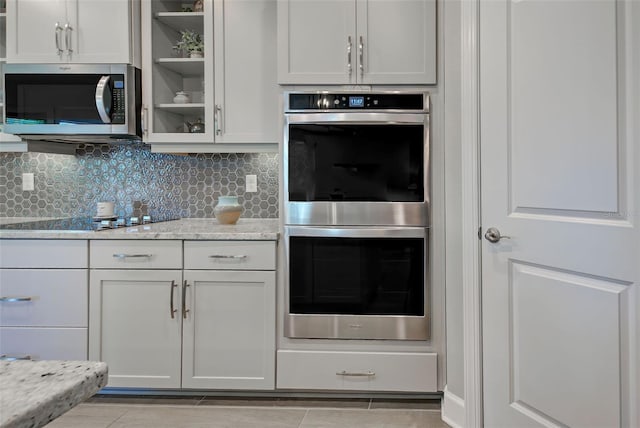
(133,177)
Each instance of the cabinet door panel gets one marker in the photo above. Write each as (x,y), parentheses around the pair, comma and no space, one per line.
(31,30)
(229,333)
(399,41)
(131,328)
(103,31)
(245,75)
(313,41)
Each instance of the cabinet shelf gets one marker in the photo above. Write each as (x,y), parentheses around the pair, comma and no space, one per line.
(182,20)
(183,66)
(191,108)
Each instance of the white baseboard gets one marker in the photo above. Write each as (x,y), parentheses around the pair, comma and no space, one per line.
(452,409)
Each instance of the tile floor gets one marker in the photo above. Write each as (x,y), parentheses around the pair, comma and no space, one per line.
(242,412)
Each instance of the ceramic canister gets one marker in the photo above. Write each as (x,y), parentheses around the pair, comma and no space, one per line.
(228,210)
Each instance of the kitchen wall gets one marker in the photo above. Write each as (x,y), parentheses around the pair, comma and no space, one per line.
(165,184)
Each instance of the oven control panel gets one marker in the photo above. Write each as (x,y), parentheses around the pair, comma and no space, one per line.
(358,101)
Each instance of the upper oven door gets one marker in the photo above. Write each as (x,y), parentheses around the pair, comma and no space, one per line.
(66,99)
(357,168)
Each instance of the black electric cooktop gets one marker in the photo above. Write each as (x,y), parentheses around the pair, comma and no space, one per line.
(81,224)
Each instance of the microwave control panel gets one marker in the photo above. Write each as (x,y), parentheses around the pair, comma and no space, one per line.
(119,100)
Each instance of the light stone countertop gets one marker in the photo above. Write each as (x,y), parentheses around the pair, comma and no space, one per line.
(33,393)
(250,229)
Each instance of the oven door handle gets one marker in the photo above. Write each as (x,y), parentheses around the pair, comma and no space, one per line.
(356,232)
(358,118)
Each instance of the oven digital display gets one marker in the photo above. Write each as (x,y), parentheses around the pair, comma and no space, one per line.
(356,101)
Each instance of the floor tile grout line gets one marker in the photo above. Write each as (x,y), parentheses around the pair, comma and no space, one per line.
(118,418)
(303,418)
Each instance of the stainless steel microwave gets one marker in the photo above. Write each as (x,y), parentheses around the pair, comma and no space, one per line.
(73,102)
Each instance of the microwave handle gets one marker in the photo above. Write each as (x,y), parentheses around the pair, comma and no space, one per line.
(101,88)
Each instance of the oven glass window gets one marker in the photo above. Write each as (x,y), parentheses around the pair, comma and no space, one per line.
(356,163)
(53,99)
(357,276)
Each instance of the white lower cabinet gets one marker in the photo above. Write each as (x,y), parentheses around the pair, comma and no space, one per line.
(357,371)
(228,335)
(43,311)
(198,328)
(132,327)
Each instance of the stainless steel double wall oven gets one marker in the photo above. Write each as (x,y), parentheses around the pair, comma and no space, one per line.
(356,214)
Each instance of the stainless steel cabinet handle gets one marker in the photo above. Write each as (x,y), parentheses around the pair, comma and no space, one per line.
(143,118)
(58,34)
(67,39)
(224,256)
(102,95)
(132,256)
(349,45)
(173,311)
(361,54)
(218,119)
(16,299)
(184,299)
(368,373)
(493,235)
(6,357)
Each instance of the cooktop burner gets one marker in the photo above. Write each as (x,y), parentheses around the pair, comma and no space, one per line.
(83,223)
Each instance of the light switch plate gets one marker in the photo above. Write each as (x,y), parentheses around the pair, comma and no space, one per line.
(28,182)
(251,183)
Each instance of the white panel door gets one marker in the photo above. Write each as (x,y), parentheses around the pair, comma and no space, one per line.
(104,31)
(560,177)
(32,29)
(246,88)
(396,41)
(316,41)
(229,330)
(132,326)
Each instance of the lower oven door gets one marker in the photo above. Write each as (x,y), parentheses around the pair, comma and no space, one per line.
(357,282)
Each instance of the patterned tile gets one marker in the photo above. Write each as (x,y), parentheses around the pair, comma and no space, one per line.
(136,180)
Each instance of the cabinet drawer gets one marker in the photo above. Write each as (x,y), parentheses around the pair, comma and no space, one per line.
(44,297)
(43,253)
(231,255)
(132,254)
(44,343)
(358,371)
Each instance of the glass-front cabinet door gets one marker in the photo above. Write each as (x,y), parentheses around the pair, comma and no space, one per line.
(177,71)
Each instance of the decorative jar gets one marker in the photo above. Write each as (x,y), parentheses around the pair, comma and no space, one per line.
(228,210)
(181,98)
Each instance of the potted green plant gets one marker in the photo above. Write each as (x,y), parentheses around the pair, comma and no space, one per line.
(190,42)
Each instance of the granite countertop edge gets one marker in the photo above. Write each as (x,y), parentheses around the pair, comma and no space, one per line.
(36,392)
(188,229)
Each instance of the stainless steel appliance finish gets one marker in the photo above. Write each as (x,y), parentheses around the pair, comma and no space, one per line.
(73,102)
(356,213)
(348,326)
(362,212)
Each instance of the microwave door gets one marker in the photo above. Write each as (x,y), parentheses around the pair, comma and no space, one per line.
(59,103)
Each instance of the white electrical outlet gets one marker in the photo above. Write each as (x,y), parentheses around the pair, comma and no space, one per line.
(251,183)
(28,182)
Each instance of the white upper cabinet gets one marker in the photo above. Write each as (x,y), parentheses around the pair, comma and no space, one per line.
(317,41)
(230,100)
(77,31)
(357,42)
